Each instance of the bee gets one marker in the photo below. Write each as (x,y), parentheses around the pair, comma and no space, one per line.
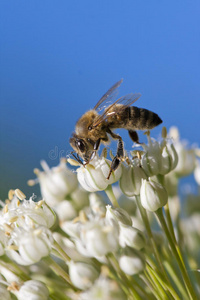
(94,128)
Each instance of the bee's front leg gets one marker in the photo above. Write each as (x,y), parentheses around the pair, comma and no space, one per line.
(117,159)
(96,147)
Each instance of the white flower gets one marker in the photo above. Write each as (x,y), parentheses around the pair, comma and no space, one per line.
(99,238)
(56,183)
(27,212)
(97,204)
(132,237)
(186,157)
(159,158)
(65,211)
(82,275)
(118,215)
(93,176)
(4,293)
(28,246)
(131,179)
(153,195)
(33,290)
(131,262)
(197,173)
(104,288)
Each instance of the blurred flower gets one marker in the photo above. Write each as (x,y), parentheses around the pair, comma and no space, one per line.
(159,158)
(4,293)
(99,238)
(132,237)
(131,179)
(97,204)
(153,195)
(28,246)
(65,211)
(186,157)
(55,183)
(104,288)
(197,172)
(33,290)
(131,261)
(92,177)
(117,215)
(82,275)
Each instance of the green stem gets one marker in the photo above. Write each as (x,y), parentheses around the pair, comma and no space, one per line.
(189,286)
(151,237)
(61,251)
(57,269)
(157,283)
(175,279)
(111,196)
(160,278)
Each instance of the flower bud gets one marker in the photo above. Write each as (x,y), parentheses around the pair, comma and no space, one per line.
(118,215)
(93,176)
(82,275)
(4,293)
(34,290)
(131,262)
(153,195)
(65,211)
(132,237)
(131,179)
(99,238)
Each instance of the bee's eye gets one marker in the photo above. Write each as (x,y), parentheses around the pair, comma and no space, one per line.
(80,145)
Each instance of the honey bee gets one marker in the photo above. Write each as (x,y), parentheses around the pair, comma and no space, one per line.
(93,127)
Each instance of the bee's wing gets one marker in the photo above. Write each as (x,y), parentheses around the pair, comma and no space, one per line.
(108,96)
(126,101)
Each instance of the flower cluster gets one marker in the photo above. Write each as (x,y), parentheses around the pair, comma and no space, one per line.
(81,243)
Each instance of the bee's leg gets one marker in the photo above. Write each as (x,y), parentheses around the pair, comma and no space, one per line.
(120,153)
(96,147)
(77,157)
(134,136)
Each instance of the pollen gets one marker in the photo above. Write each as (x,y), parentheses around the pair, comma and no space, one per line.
(13,219)
(11,194)
(39,204)
(20,194)
(31,182)
(5,209)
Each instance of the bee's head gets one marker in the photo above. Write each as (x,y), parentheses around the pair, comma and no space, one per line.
(80,146)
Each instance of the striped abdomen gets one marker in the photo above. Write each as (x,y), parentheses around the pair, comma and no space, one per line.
(140,118)
(134,118)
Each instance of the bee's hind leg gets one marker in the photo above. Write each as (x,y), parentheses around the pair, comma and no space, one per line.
(134,136)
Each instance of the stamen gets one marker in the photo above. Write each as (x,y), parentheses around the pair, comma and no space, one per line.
(45,166)
(31,182)
(164,132)
(13,219)
(14,286)
(39,204)
(11,194)
(5,209)
(73,162)
(13,247)
(20,194)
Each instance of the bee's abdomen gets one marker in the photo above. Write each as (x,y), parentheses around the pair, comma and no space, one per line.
(141,119)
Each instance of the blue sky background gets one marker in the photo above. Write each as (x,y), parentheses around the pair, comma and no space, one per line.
(57,58)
